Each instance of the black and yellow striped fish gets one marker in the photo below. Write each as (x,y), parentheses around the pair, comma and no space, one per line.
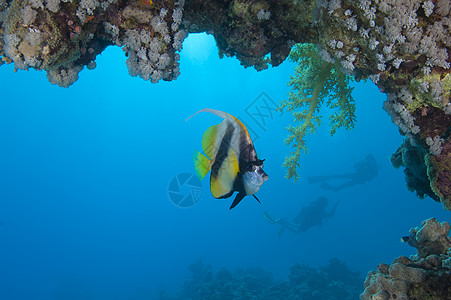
(232,159)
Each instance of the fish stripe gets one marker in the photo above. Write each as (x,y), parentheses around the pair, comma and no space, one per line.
(209,141)
(247,153)
(226,167)
(223,149)
(242,128)
(230,149)
(222,184)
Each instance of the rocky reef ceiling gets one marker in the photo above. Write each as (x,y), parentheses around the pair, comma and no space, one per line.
(402,46)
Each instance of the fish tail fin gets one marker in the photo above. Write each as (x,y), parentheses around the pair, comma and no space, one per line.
(201,164)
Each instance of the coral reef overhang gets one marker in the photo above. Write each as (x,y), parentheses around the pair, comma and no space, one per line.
(402,46)
(426,275)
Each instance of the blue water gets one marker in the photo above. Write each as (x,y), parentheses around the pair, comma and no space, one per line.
(84,176)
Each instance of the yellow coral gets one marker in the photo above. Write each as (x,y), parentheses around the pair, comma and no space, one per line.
(424,93)
(146,2)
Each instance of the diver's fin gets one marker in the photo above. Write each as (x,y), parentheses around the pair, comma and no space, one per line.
(201,164)
(222,179)
(332,211)
(316,179)
(268,217)
(256,198)
(237,200)
(326,186)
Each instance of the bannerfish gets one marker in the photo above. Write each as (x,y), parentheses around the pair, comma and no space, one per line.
(231,157)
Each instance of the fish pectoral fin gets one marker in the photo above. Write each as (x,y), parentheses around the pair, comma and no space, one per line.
(237,200)
(201,164)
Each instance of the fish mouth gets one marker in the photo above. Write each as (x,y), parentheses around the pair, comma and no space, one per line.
(265,177)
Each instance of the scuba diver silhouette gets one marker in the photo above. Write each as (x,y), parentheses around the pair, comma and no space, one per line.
(365,171)
(313,214)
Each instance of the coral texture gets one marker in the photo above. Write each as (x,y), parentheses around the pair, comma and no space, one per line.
(426,275)
(331,86)
(333,281)
(412,158)
(402,46)
(63,36)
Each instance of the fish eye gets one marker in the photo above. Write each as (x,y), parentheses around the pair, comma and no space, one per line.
(250,167)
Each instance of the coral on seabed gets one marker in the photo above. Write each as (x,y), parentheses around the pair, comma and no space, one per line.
(402,46)
(333,281)
(426,275)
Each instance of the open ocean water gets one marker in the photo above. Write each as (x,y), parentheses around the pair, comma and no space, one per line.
(86,175)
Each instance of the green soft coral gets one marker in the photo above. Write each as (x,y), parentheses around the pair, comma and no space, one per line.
(315,81)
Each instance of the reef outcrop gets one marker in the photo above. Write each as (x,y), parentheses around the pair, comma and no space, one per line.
(426,275)
(402,46)
(62,37)
(333,281)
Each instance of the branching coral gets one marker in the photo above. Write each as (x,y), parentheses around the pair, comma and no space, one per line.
(315,81)
(404,49)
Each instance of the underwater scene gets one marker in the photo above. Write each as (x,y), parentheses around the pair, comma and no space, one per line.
(140,164)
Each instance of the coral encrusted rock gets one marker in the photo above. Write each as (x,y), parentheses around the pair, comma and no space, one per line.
(426,275)
(402,46)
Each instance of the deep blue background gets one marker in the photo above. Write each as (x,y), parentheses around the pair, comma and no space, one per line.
(84,173)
